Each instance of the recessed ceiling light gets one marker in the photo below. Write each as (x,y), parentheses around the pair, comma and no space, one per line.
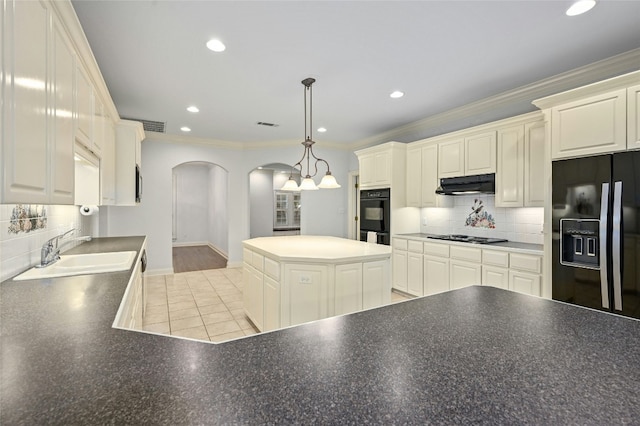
(396,94)
(322,129)
(216,45)
(185,129)
(580,7)
(193,108)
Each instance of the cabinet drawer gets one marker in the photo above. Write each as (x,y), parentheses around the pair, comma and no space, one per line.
(415,246)
(258,261)
(272,268)
(466,253)
(436,249)
(526,262)
(399,244)
(495,258)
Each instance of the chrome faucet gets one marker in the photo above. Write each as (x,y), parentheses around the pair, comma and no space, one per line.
(50,252)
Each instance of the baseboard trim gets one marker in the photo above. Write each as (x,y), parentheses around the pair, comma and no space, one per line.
(151,272)
(217,250)
(234,264)
(191,244)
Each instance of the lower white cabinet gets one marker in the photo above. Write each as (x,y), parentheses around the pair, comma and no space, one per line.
(436,274)
(495,276)
(131,311)
(400,263)
(464,274)
(282,294)
(414,274)
(526,283)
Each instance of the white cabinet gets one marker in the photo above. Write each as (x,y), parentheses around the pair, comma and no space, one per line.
(348,288)
(253,295)
(436,274)
(271,306)
(495,277)
(589,126)
(451,158)
(633,117)
(108,165)
(84,108)
(129,136)
(131,311)
(523,282)
(37,147)
(534,177)
(375,169)
(376,290)
(480,154)
(464,274)
(471,155)
(414,177)
(422,178)
(400,278)
(305,293)
(520,169)
(415,282)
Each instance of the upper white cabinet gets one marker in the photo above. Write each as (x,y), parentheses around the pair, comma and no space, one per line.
(422,177)
(108,165)
(633,117)
(84,112)
(37,99)
(383,166)
(129,135)
(595,119)
(590,126)
(471,155)
(520,168)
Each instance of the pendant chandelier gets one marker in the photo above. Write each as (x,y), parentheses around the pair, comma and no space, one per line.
(307,184)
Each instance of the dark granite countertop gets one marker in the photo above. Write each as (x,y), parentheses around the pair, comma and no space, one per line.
(509,245)
(476,355)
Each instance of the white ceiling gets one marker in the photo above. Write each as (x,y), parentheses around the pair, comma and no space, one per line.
(442,54)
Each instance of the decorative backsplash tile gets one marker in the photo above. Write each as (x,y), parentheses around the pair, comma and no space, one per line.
(514,224)
(27,218)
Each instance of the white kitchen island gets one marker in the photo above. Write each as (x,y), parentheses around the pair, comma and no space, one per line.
(291,280)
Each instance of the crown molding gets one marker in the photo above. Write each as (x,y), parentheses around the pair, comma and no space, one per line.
(606,68)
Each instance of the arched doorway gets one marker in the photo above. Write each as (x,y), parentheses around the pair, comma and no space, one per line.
(199,216)
(271,211)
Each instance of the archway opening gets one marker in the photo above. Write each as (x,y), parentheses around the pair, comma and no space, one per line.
(199,216)
(272,211)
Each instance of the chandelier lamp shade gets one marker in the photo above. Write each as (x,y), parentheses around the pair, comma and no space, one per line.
(308,157)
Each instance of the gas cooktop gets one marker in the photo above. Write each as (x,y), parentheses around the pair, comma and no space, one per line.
(468,239)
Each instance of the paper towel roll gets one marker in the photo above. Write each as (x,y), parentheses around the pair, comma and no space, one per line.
(372,237)
(88,210)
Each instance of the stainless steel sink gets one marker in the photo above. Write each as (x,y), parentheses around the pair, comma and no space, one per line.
(81,264)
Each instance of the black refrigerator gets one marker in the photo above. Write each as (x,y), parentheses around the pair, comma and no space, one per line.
(596,232)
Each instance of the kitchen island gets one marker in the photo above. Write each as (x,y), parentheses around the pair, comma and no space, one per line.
(296,279)
(477,355)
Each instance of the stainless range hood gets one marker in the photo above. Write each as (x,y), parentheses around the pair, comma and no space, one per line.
(478,184)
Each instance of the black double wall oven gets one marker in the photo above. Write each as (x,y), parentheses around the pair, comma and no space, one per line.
(375,214)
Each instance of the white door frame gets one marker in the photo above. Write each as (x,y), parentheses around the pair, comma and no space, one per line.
(354,207)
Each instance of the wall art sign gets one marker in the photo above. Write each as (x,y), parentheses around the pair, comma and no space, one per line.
(479,217)
(27,218)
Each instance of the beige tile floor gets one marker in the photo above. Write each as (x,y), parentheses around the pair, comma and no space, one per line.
(203,305)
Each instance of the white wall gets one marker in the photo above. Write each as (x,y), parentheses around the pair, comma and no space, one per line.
(261,203)
(514,224)
(218,209)
(324,211)
(19,251)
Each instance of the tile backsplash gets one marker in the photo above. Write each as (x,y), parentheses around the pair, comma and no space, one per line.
(477,215)
(20,246)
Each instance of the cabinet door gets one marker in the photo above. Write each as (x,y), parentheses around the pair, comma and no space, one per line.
(108,165)
(84,105)
(495,277)
(464,274)
(62,143)
(633,117)
(414,178)
(271,304)
(534,148)
(414,274)
(25,156)
(348,288)
(367,165)
(429,176)
(400,270)
(480,154)
(595,125)
(451,158)
(524,283)
(253,295)
(436,275)
(306,294)
(382,168)
(510,167)
(376,284)
(98,126)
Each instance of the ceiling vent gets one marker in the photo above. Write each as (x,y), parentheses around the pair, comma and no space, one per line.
(264,123)
(149,125)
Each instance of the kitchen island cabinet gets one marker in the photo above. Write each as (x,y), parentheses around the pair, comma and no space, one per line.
(291,280)
(477,355)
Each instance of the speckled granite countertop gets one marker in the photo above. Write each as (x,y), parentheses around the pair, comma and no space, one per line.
(508,246)
(478,355)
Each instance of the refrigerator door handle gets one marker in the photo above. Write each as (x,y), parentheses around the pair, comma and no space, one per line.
(616,243)
(604,219)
